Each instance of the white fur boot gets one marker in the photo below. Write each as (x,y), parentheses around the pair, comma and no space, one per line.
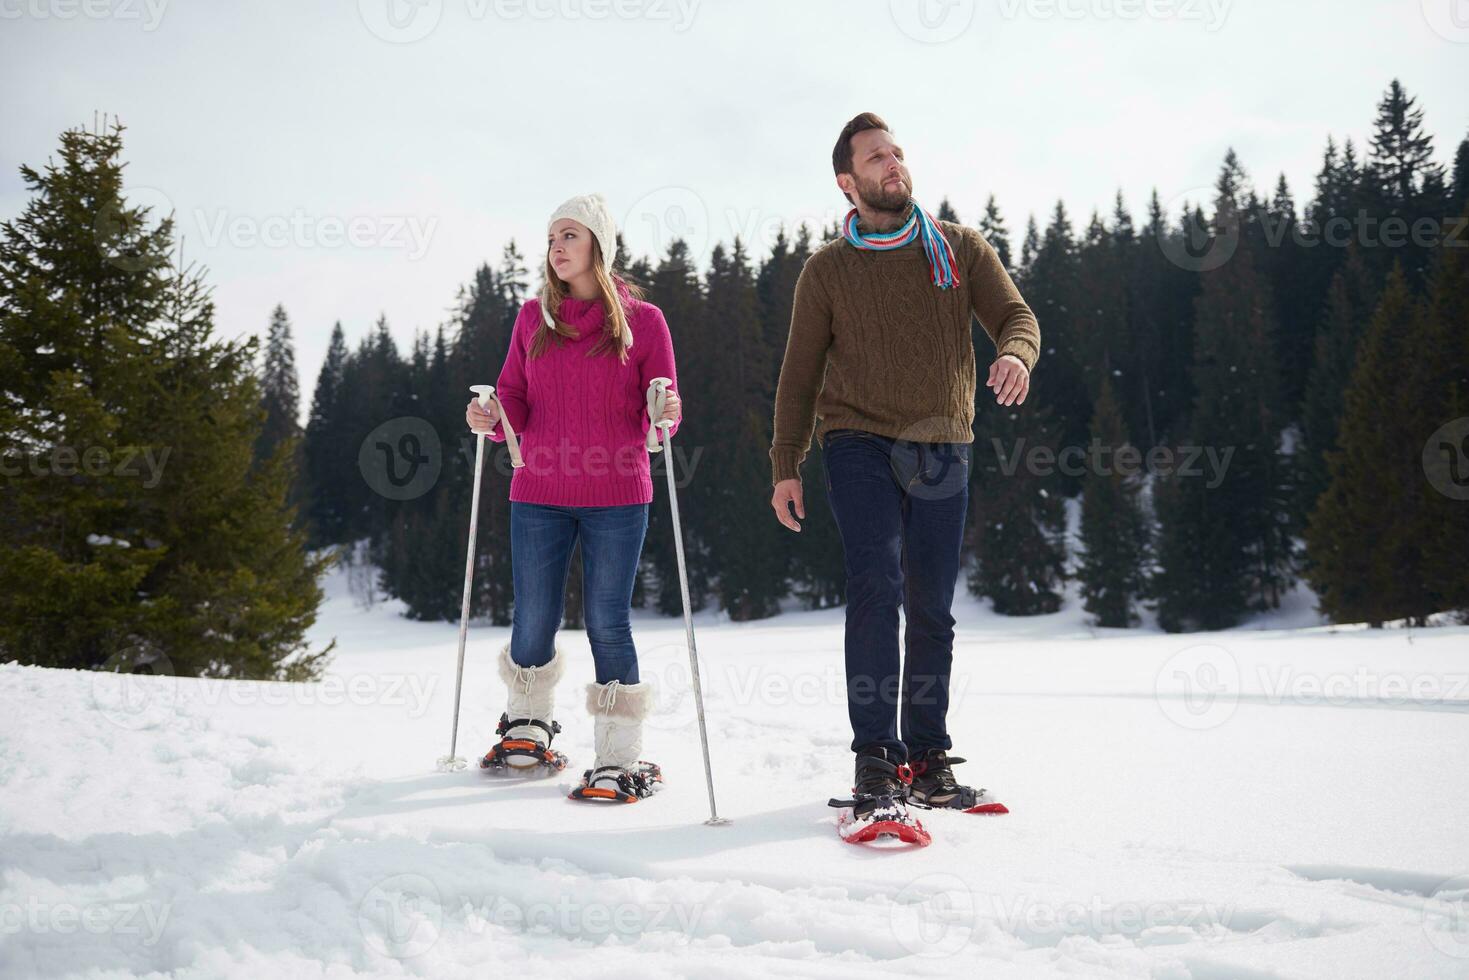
(618,773)
(526,727)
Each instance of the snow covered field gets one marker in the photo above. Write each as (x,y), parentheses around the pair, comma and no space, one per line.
(1287,800)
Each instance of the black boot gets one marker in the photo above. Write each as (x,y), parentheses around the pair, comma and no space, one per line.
(879,780)
(879,800)
(934,785)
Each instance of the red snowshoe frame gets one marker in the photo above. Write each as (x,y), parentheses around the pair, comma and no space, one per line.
(885,820)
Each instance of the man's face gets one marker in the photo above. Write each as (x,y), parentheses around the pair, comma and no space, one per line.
(879,178)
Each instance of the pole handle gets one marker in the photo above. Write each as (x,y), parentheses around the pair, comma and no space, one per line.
(485,393)
(657,400)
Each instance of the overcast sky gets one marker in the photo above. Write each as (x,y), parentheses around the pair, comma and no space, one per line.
(350,159)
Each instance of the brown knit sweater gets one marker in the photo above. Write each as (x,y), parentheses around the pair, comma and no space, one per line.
(875,345)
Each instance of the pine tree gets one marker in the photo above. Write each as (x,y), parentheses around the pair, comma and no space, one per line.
(1017,531)
(1113,526)
(1226,548)
(733,485)
(83,279)
(1349,305)
(1403,184)
(1052,288)
(1366,537)
(1402,153)
(817,568)
(282,391)
(1286,265)
(1031,245)
(329,460)
(1162,332)
(677,290)
(484,322)
(374,391)
(1103,310)
(992,227)
(946,212)
(1444,525)
(188,568)
(1459,187)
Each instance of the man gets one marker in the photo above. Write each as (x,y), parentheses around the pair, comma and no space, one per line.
(880,362)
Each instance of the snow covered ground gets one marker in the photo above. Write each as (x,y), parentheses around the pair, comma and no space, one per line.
(1286,800)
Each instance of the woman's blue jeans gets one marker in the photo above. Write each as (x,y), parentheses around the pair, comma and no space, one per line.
(900,508)
(542,538)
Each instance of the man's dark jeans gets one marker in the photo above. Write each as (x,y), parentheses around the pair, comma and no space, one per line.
(900,509)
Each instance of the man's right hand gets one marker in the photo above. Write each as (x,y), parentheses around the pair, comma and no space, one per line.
(482,420)
(788,492)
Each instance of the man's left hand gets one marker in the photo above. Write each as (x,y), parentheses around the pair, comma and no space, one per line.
(1010,380)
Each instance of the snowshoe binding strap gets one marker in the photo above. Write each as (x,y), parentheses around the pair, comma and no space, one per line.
(507,723)
(867,818)
(523,753)
(614,784)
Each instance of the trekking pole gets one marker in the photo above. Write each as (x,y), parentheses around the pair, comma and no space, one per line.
(657,398)
(452,762)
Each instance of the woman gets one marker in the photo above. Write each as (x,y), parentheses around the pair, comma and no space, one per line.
(574,389)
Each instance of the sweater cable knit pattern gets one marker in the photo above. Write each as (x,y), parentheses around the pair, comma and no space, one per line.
(874,346)
(583,420)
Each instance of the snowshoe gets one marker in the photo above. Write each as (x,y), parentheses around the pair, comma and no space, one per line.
(878,807)
(934,786)
(523,755)
(613,784)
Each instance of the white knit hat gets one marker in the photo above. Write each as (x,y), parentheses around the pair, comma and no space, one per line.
(591,210)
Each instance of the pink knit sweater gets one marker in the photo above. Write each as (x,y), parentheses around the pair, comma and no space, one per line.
(583,421)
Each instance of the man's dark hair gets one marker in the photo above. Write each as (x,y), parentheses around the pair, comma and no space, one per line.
(841,154)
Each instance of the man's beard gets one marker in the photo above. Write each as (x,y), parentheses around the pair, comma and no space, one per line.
(879,198)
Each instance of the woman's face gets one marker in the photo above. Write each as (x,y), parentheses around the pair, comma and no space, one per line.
(570,249)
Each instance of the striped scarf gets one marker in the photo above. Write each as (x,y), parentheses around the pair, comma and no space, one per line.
(920,224)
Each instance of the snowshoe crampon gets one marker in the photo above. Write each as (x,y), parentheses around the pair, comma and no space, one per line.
(880,817)
(523,755)
(612,784)
(878,808)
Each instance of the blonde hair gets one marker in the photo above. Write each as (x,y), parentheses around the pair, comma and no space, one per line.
(616,334)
